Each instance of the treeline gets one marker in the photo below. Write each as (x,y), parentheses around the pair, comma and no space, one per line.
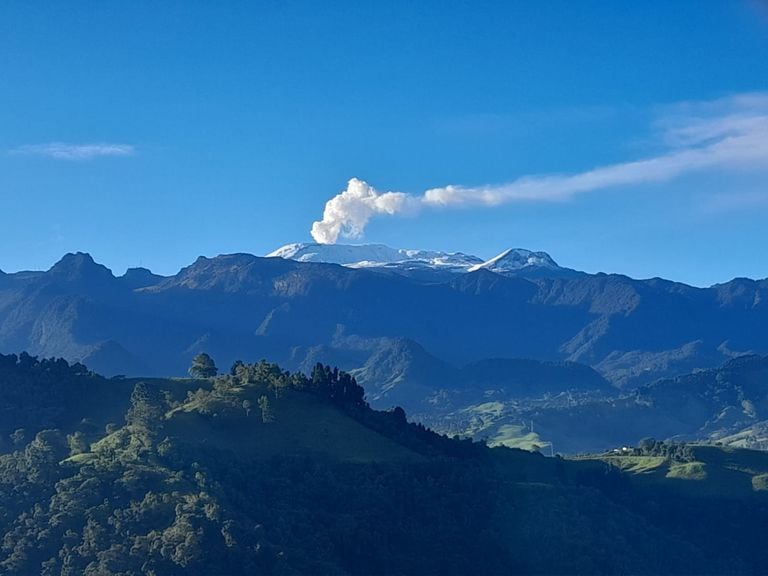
(38,393)
(331,384)
(675,451)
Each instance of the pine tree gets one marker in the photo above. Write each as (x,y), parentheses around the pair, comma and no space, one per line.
(203,366)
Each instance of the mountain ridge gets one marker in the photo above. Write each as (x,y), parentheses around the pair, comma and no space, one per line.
(361,255)
(512,261)
(241,305)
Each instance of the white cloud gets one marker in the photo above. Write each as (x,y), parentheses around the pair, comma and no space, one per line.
(65,151)
(726,134)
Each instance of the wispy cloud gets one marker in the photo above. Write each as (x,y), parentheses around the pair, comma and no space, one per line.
(68,151)
(726,134)
(718,204)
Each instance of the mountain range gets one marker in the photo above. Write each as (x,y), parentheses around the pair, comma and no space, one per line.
(724,406)
(417,328)
(428,265)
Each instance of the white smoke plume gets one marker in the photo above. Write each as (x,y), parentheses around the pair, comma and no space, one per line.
(348,212)
(731,134)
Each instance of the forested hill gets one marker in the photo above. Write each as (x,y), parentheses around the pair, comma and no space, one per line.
(266,471)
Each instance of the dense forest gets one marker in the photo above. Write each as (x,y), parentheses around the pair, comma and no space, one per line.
(264,471)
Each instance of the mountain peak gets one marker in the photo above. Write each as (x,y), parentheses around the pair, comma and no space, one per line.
(228,272)
(140,277)
(515,259)
(80,266)
(425,265)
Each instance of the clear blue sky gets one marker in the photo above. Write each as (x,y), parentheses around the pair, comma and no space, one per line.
(150,133)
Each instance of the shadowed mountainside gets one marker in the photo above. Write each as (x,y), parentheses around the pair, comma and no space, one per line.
(728,405)
(242,306)
(265,471)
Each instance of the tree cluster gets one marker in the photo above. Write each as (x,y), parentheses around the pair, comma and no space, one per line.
(675,451)
(151,498)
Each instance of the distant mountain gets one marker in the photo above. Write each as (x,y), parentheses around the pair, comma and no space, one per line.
(424,264)
(400,372)
(79,268)
(521,377)
(728,405)
(716,403)
(515,259)
(140,278)
(371,255)
(521,262)
(241,306)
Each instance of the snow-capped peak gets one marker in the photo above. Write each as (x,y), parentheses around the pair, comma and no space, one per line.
(427,265)
(371,255)
(516,259)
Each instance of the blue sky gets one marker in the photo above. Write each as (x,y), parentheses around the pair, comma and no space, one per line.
(149,134)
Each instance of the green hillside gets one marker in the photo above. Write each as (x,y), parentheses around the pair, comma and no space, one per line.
(727,406)
(704,470)
(299,421)
(265,471)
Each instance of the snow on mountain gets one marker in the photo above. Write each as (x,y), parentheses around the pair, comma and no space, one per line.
(425,264)
(372,255)
(516,259)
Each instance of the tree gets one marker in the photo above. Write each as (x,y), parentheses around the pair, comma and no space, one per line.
(145,416)
(266,409)
(19,436)
(236,366)
(77,443)
(203,366)
(43,454)
(648,446)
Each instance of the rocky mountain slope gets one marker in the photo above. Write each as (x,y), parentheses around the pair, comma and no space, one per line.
(243,306)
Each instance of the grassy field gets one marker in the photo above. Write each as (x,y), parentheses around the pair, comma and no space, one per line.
(298,420)
(516,436)
(760,483)
(715,470)
(687,471)
(637,464)
(483,422)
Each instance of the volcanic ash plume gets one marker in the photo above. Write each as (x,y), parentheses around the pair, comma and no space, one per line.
(347,213)
(727,134)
